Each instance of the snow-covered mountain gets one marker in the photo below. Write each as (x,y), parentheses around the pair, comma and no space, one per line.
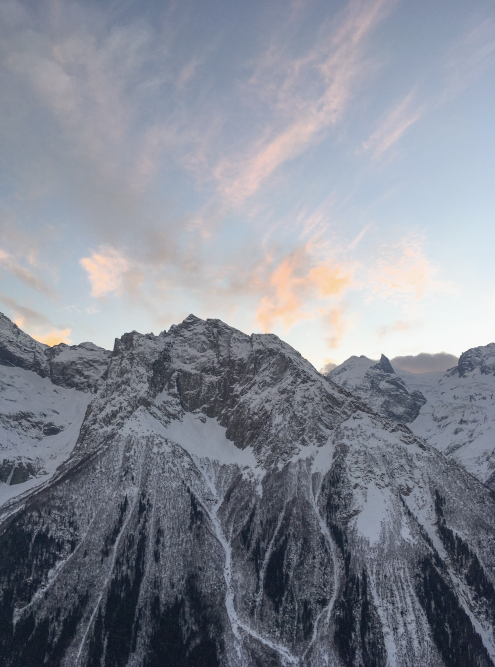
(226,505)
(44,393)
(381,388)
(456,409)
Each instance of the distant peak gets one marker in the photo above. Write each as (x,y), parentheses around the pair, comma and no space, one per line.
(192,319)
(384,365)
(482,357)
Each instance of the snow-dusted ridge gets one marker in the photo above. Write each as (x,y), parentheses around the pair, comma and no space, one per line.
(44,394)
(225,505)
(457,412)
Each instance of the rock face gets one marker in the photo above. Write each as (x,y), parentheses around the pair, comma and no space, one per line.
(380,387)
(77,366)
(481,359)
(71,366)
(226,505)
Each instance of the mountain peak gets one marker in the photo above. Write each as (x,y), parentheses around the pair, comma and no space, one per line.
(192,319)
(384,365)
(379,386)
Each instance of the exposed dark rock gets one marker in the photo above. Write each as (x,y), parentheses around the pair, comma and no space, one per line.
(453,632)
(482,358)
(384,365)
(78,366)
(17,471)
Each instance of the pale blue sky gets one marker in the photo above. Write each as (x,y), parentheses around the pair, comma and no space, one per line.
(322,170)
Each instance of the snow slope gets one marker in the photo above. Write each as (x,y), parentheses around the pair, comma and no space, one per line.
(39,426)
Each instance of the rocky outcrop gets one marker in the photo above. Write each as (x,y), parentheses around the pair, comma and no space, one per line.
(226,505)
(477,358)
(77,366)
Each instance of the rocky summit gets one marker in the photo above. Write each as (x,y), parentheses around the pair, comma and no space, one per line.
(204,498)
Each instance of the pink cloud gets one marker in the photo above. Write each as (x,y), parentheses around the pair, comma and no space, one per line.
(53,337)
(106,270)
(394,125)
(298,287)
(305,112)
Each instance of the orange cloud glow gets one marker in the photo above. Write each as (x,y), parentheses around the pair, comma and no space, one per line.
(106,270)
(295,286)
(328,280)
(54,337)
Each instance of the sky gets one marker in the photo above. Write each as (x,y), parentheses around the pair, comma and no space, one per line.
(322,170)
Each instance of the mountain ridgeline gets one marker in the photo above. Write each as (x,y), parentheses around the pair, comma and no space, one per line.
(204,498)
(453,411)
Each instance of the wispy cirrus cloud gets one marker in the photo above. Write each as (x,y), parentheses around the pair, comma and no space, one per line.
(465,61)
(303,111)
(359,237)
(172,153)
(397,327)
(469,58)
(407,112)
(26,276)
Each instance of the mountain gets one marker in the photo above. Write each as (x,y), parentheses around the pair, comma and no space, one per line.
(456,411)
(44,393)
(226,505)
(380,387)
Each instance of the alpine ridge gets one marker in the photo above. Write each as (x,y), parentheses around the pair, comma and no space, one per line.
(207,498)
(453,411)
